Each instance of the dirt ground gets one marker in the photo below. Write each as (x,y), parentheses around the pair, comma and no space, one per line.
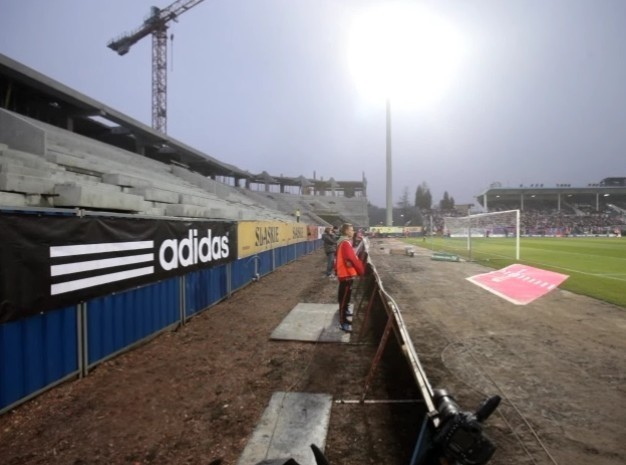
(558,363)
(194,395)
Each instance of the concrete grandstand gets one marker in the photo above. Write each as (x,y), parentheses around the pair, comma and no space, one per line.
(62,149)
(605,195)
(598,208)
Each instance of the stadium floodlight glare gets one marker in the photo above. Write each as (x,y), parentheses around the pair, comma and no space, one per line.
(403,53)
(475,229)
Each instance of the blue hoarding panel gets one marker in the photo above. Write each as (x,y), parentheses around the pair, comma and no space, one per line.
(301,249)
(36,352)
(280,256)
(119,320)
(204,288)
(285,255)
(243,271)
(266,262)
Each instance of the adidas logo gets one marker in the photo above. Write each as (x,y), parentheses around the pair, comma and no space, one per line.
(76,267)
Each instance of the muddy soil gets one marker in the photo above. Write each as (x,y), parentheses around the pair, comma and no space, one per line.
(558,363)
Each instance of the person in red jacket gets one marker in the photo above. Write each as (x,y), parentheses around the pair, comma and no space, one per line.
(347,267)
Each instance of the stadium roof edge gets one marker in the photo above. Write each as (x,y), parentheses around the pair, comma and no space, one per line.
(553,190)
(36,80)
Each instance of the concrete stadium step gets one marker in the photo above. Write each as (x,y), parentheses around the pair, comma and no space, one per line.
(200,200)
(25,184)
(193,211)
(223,191)
(196,179)
(258,199)
(27,159)
(11,199)
(165,183)
(125,180)
(101,163)
(242,200)
(36,165)
(46,170)
(115,158)
(77,163)
(16,200)
(155,194)
(18,168)
(72,143)
(110,174)
(98,196)
(153,208)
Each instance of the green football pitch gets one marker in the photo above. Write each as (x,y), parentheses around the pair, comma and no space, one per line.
(596,265)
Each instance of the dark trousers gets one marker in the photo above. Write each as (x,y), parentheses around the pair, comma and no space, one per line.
(330,263)
(344,294)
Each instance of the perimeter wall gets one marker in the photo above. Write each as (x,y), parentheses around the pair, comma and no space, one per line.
(77,289)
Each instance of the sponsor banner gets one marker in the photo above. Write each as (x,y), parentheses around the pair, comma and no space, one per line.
(386,229)
(395,230)
(412,229)
(313,232)
(519,284)
(49,262)
(258,236)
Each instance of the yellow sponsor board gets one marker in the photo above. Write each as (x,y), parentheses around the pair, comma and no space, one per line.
(413,229)
(386,230)
(258,236)
(395,230)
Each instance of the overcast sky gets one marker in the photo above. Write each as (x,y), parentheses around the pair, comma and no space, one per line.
(538,95)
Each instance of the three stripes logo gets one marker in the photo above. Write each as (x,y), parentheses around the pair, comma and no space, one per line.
(76,267)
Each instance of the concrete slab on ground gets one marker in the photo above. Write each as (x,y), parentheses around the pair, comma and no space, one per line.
(290,424)
(311,322)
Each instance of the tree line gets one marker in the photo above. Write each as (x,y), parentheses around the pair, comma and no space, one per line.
(407,211)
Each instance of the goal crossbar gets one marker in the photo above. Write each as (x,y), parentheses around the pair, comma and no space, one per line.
(486,225)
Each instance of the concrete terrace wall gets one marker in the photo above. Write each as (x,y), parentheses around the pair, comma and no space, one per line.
(45,166)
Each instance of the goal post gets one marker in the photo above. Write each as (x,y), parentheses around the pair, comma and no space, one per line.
(494,233)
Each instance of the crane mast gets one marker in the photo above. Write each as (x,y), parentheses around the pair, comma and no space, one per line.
(156,24)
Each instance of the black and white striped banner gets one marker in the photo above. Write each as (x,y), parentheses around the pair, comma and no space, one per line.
(48,262)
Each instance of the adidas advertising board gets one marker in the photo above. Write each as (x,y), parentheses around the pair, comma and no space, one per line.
(50,262)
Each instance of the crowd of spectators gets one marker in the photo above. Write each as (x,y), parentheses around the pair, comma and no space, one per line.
(549,222)
(558,223)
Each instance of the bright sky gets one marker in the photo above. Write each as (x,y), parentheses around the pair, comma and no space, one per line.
(536,95)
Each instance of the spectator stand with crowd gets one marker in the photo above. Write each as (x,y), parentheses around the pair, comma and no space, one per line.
(575,220)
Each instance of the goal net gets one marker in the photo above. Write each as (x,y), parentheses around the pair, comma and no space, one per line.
(486,235)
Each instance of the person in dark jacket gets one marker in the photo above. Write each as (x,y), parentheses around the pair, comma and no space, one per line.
(330,248)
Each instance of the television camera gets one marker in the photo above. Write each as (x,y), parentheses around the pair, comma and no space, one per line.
(460,437)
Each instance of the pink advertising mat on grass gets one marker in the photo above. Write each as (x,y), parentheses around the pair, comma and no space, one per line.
(519,284)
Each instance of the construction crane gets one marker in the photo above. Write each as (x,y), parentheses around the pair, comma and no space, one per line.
(155,24)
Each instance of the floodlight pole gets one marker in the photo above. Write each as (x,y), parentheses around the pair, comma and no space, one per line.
(389,196)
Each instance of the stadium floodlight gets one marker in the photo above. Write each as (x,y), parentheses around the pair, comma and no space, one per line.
(406,54)
(485,228)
